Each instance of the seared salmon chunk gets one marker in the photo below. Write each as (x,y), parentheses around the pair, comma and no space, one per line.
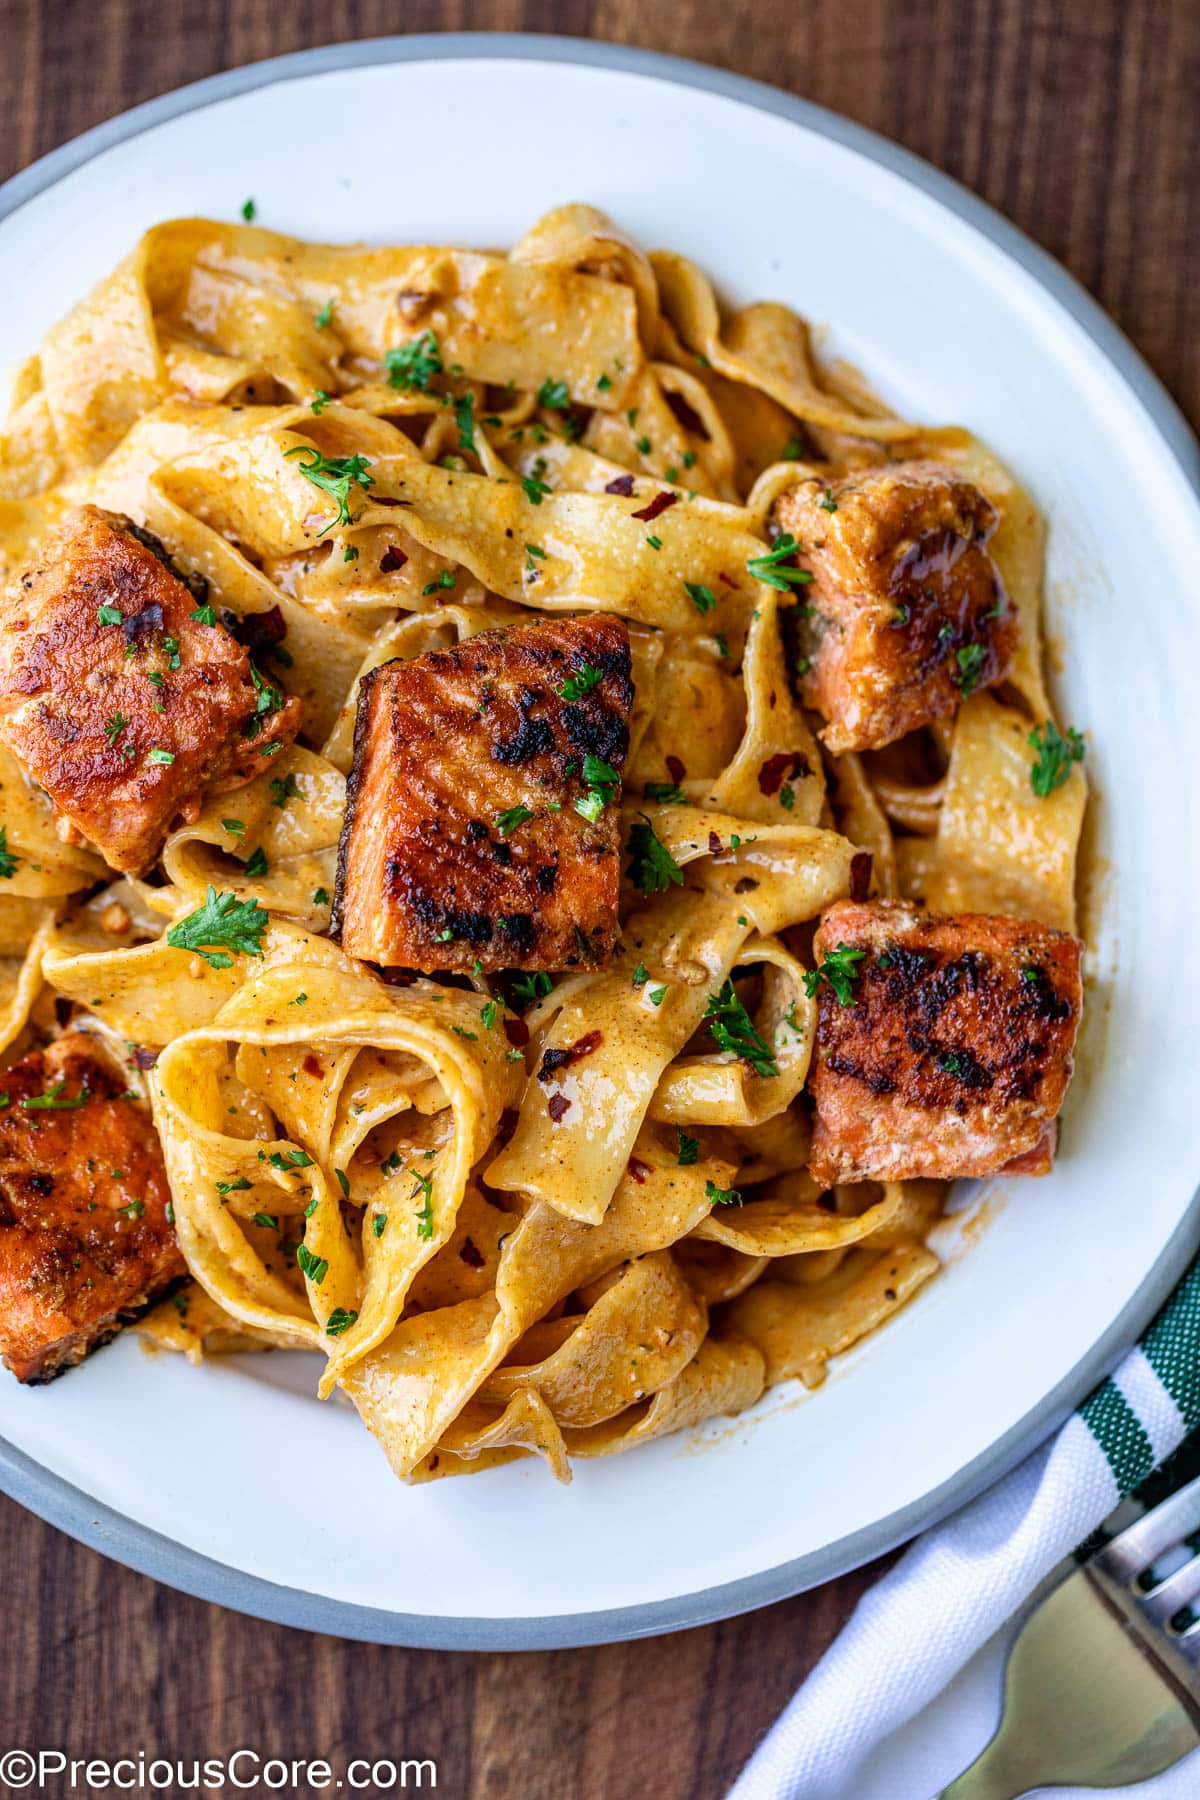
(908,611)
(123,695)
(482,818)
(944,1044)
(85,1235)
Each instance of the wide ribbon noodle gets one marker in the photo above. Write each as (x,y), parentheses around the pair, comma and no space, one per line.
(366,1167)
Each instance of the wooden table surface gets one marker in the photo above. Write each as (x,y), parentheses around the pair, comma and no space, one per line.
(1077,118)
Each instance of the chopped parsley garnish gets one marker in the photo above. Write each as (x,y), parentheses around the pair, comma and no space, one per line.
(343,1181)
(335,476)
(320,897)
(315,1267)
(339,1320)
(110,615)
(535,489)
(248,210)
(508,820)
(171,646)
(135,1210)
(236,925)
(840,969)
(115,727)
(51,1100)
(156,755)
(828,504)
(688,1148)
(464,418)
(319,401)
(283,789)
(235,827)
(379,1223)
(733,1030)
(321,319)
(267,1220)
(204,615)
(487,1014)
(602,782)
(528,989)
(287,1160)
(787,796)
(641,975)
(8,862)
(776,567)
(604,382)
(701,597)
(664,792)
(350,553)
(719,1196)
(257,865)
(656,996)
(444,580)
(462,1032)
(655,543)
(229,1187)
(1055,754)
(424,1188)
(970,659)
(652,868)
(581,682)
(413,366)
(555,396)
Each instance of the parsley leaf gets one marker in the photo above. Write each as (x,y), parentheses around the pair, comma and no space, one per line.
(464,418)
(733,1030)
(534,489)
(424,1188)
(321,319)
(110,615)
(555,396)
(283,789)
(236,924)
(413,366)
(8,862)
(50,1101)
(248,210)
(158,755)
(719,1196)
(664,792)
(508,821)
(1055,754)
(115,727)
(970,659)
(530,988)
(335,476)
(701,597)
(339,1320)
(688,1148)
(776,568)
(257,864)
(602,782)
(840,969)
(652,868)
(582,681)
(315,1267)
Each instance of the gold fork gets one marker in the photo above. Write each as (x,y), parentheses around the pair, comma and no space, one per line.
(1100,1688)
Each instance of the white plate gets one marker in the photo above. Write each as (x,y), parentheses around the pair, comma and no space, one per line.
(234,1482)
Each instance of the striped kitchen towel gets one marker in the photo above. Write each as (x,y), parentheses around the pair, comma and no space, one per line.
(955,1589)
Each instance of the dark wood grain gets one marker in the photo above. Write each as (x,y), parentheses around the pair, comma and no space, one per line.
(1078,118)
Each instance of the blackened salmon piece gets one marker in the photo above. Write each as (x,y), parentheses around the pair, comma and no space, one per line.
(120,698)
(909,612)
(86,1240)
(482,817)
(948,1052)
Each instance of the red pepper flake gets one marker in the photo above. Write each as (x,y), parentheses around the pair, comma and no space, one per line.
(638,1170)
(259,632)
(473,1258)
(623,484)
(517,1033)
(312,1066)
(143,1058)
(788,762)
(558,1107)
(722,576)
(860,874)
(433,1462)
(675,769)
(554,1060)
(657,506)
(715,845)
(391,560)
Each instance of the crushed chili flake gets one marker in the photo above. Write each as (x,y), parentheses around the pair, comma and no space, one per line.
(258,632)
(517,1033)
(473,1257)
(657,506)
(554,1060)
(623,484)
(676,769)
(722,576)
(860,874)
(391,560)
(558,1106)
(638,1170)
(788,762)
(312,1067)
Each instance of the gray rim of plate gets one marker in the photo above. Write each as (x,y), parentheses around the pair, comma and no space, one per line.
(151,1553)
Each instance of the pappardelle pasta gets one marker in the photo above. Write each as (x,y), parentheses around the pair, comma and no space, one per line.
(534,840)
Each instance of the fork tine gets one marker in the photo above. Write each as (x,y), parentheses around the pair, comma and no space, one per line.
(1143,1542)
(1170,1596)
